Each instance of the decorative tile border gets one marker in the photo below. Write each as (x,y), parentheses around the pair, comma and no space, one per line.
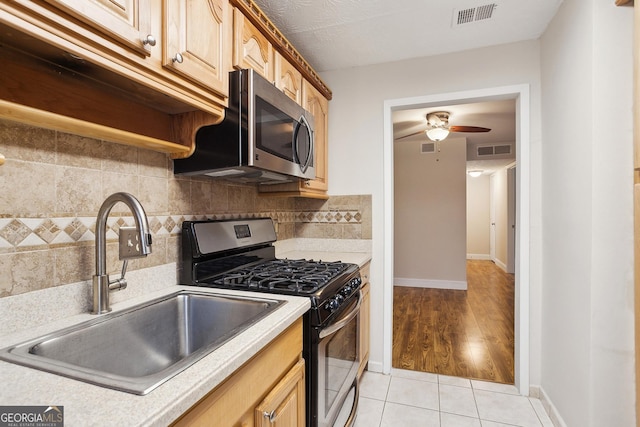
(17,233)
(330,217)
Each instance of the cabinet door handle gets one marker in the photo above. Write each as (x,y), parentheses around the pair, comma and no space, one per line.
(271,416)
(178,58)
(149,40)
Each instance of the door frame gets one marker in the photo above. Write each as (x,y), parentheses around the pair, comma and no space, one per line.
(492,217)
(523,118)
(511,217)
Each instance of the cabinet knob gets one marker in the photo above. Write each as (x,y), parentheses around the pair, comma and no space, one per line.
(1,160)
(149,40)
(178,58)
(270,415)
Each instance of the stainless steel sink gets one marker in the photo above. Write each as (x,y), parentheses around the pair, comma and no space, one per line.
(138,349)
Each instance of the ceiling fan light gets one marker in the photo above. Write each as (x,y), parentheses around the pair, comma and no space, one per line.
(475,173)
(437,134)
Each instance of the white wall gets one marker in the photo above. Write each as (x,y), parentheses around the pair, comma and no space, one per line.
(356,142)
(478,218)
(587,306)
(430,220)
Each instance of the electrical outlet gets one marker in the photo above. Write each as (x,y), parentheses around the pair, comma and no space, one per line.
(129,243)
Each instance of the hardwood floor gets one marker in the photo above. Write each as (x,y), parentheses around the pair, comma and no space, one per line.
(460,333)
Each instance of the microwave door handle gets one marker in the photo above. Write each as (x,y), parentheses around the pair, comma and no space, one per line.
(342,322)
(303,122)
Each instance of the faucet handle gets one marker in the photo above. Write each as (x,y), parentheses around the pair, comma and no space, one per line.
(129,243)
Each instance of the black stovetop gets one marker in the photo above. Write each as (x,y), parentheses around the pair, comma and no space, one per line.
(290,276)
(239,255)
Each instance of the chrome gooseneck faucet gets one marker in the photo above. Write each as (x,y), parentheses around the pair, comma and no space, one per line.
(101,283)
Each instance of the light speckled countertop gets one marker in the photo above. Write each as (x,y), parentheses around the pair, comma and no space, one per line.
(89,405)
(31,315)
(352,251)
(359,258)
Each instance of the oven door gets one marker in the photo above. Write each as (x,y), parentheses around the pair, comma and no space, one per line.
(338,366)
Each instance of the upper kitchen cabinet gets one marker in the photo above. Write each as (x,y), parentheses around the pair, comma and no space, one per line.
(147,73)
(314,102)
(251,49)
(318,105)
(106,69)
(195,35)
(288,79)
(288,61)
(127,21)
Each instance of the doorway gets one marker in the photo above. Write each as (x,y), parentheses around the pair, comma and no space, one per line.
(521,94)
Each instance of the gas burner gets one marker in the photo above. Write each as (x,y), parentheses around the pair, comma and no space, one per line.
(293,284)
(296,276)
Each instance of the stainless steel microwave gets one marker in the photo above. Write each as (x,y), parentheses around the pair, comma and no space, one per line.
(265,136)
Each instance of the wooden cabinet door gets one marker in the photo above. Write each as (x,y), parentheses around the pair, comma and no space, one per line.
(195,33)
(127,21)
(365,313)
(364,321)
(318,105)
(251,49)
(288,79)
(284,406)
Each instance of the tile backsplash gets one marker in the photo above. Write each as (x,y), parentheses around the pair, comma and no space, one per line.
(53,184)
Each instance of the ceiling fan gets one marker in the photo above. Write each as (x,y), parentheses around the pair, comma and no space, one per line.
(438,127)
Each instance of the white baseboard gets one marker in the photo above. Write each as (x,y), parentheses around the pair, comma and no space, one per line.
(485,257)
(500,264)
(549,407)
(374,366)
(426,283)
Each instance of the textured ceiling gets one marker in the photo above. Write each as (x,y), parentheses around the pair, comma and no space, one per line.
(336,34)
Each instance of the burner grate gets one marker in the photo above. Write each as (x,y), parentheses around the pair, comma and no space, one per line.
(293,276)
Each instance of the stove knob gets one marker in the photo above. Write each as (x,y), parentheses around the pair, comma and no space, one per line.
(332,304)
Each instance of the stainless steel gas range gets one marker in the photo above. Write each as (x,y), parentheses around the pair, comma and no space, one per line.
(239,254)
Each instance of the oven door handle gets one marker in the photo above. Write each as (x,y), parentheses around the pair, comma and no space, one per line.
(354,410)
(343,321)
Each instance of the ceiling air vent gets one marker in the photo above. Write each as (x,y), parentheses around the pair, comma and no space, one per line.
(473,14)
(491,150)
(428,147)
(502,149)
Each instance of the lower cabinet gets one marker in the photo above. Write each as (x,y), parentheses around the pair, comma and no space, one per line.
(268,390)
(284,406)
(364,323)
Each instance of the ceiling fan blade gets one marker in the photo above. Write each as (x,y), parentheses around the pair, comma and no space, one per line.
(411,134)
(468,129)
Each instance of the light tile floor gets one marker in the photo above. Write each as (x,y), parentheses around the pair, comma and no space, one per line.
(412,399)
